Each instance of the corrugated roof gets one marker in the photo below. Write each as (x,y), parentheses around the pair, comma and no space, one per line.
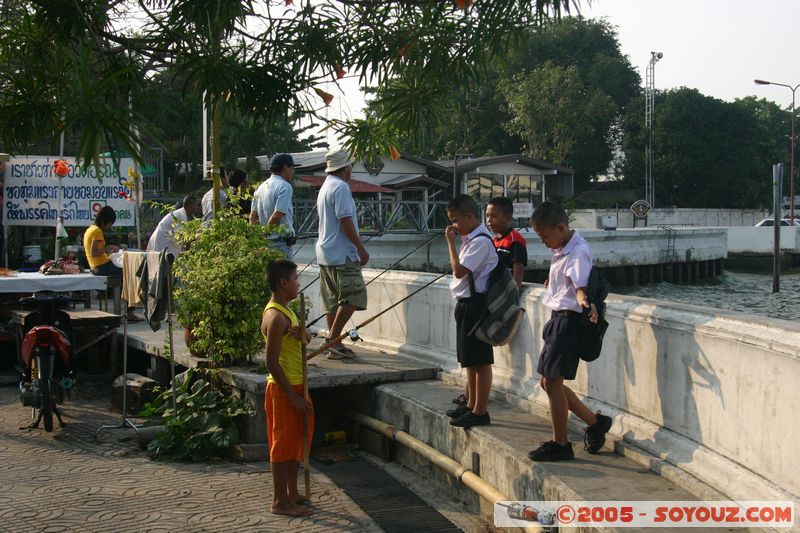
(356,186)
(407,179)
(465,165)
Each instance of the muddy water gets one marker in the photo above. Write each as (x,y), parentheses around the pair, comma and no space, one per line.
(738,291)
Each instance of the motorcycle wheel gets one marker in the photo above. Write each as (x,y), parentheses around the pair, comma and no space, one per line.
(47,404)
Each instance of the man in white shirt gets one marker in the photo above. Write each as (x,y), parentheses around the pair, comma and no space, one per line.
(272,202)
(163,236)
(340,252)
(208,197)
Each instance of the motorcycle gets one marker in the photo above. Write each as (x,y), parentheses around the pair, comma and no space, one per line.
(47,373)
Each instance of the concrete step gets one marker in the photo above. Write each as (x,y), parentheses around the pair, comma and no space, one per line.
(502,450)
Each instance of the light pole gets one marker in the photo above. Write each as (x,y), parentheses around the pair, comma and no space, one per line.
(649,106)
(456,159)
(794,143)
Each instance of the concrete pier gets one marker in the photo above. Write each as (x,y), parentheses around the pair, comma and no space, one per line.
(371,367)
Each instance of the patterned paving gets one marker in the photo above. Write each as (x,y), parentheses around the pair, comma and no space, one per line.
(67,481)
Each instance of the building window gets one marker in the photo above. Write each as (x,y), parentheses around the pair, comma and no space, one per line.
(524,188)
(483,187)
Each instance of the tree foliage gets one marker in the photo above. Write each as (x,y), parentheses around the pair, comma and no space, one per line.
(708,153)
(74,66)
(558,117)
(566,73)
(173,121)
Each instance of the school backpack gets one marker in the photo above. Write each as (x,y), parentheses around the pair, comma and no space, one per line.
(590,335)
(500,312)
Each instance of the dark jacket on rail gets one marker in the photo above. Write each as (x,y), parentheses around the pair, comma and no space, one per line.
(153,284)
(590,336)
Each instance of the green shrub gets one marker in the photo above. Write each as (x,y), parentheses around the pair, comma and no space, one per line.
(204,423)
(221,289)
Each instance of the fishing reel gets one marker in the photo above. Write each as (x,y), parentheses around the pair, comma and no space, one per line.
(353,334)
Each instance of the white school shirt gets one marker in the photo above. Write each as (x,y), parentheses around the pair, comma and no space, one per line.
(569,270)
(335,202)
(274,194)
(164,235)
(478,255)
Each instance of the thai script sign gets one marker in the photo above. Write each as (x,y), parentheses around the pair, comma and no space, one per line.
(31,195)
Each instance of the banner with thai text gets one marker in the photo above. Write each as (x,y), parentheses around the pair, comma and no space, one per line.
(31,196)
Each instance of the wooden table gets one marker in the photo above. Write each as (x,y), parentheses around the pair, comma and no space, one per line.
(80,319)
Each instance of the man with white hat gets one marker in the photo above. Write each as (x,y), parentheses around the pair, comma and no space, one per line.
(272,202)
(340,252)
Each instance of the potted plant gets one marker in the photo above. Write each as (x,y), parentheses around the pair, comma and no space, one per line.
(221,288)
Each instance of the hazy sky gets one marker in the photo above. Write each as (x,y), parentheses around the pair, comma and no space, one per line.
(716,46)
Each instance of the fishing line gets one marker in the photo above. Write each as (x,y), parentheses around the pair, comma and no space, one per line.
(332,342)
(390,267)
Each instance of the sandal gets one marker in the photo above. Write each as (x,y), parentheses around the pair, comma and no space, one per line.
(461,399)
(338,354)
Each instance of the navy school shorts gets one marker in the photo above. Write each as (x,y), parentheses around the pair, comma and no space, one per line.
(559,357)
(470,350)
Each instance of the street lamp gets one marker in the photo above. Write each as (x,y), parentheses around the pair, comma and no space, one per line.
(794,142)
(649,107)
(456,159)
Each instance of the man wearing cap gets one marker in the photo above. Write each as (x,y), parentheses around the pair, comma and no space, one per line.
(272,202)
(340,253)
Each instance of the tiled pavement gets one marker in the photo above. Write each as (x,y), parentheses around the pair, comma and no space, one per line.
(68,481)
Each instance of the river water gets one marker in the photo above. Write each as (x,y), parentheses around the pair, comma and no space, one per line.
(738,291)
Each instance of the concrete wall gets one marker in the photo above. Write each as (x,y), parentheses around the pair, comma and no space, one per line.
(592,218)
(761,240)
(714,392)
(642,246)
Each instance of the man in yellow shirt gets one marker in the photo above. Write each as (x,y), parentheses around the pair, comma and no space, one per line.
(284,402)
(94,244)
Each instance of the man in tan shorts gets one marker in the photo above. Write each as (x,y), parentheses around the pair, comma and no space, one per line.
(340,252)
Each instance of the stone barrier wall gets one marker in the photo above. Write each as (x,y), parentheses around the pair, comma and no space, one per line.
(713,392)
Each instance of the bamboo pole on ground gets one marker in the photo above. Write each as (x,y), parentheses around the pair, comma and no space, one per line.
(306,436)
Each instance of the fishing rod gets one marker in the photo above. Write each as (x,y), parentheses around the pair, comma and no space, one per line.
(390,267)
(310,283)
(353,334)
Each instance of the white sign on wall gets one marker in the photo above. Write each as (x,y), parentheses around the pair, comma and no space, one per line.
(31,196)
(523,210)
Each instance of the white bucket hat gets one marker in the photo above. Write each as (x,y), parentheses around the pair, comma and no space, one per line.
(336,158)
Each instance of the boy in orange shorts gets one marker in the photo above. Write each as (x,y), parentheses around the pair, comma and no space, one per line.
(284,403)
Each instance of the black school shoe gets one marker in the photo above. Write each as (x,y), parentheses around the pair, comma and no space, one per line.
(471,419)
(552,451)
(594,436)
(458,412)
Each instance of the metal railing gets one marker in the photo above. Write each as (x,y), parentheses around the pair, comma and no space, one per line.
(380,216)
(153,170)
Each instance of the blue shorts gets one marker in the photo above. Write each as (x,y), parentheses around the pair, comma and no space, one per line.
(559,357)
